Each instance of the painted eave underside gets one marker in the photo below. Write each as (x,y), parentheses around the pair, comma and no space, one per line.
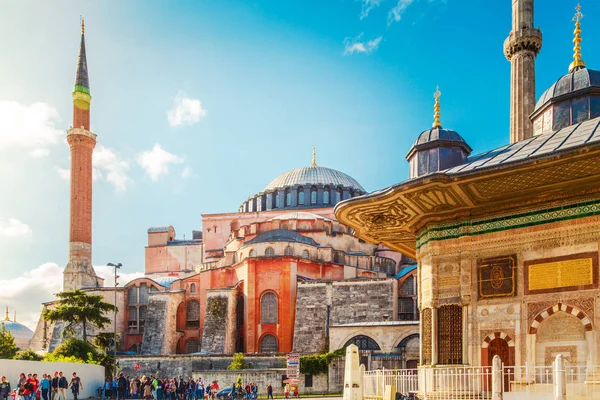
(545,170)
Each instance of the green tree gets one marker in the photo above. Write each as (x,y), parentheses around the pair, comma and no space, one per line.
(8,347)
(77,348)
(237,362)
(27,355)
(78,307)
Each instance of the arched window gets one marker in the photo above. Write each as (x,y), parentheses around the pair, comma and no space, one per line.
(132,295)
(326,196)
(313,196)
(277,205)
(300,195)
(289,251)
(363,343)
(268,308)
(252,253)
(338,195)
(192,346)
(192,315)
(288,198)
(241,256)
(268,344)
(269,252)
(240,312)
(193,288)
(305,254)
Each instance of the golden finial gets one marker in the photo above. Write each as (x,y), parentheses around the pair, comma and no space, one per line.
(15,317)
(436,108)
(577,61)
(7,319)
(314,161)
(82,24)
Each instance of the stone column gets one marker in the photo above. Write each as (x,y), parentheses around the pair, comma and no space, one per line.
(497,378)
(434,342)
(520,48)
(560,381)
(465,335)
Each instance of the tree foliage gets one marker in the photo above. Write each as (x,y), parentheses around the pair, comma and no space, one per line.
(238,362)
(8,347)
(77,307)
(28,355)
(315,364)
(77,350)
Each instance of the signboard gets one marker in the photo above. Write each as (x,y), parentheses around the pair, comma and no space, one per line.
(293,365)
(136,367)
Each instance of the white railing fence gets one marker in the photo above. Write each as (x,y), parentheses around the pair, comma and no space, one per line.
(560,381)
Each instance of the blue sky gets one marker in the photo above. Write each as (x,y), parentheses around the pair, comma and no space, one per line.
(258,83)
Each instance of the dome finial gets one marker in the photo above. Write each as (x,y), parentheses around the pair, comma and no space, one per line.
(15,317)
(436,108)
(577,61)
(314,160)
(7,319)
(82,24)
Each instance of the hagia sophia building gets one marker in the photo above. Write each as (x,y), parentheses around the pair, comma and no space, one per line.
(280,274)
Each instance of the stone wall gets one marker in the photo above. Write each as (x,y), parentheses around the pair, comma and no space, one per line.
(184,364)
(160,330)
(215,338)
(310,330)
(349,302)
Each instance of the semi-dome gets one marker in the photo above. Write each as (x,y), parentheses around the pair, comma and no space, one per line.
(314,175)
(572,99)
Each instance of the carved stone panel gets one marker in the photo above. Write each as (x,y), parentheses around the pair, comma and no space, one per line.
(426,339)
(497,277)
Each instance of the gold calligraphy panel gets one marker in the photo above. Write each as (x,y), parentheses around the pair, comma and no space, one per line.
(562,273)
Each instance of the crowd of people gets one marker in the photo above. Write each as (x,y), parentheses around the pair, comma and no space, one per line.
(48,388)
(180,388)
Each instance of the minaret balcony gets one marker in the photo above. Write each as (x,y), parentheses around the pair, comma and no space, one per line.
(523,39)
(81,131)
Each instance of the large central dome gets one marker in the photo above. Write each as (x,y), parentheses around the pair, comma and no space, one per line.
(314,175)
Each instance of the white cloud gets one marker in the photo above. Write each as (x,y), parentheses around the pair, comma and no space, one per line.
(110,167)
(185,111)
(30,127)
(367,6)
(13,228)
(156,161)
(39,153)
(395,13)
(63,173)
(357,45)
(187,171)
(27,292)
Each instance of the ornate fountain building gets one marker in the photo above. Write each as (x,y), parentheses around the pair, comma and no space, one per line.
(507,240)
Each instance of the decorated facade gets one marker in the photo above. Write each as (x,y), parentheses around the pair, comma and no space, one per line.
(506,240)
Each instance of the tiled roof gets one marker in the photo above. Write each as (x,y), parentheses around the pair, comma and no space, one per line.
(547,145)
(282,235)
(405,271)
(314,175)
(574,81)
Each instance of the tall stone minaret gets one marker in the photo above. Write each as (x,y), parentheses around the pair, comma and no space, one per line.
(520,48)
(79,272)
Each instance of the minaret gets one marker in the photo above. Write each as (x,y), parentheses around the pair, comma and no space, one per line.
(79,271)
(520,48)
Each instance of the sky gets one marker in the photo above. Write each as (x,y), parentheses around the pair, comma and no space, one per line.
(199,104)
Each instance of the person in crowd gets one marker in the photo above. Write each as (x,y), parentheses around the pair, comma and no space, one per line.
(121,386)
(269,391)
(75,385)
(45,386)
(191,388)
(133,388)
(54,386)
(254,391)
(4,389)
(62,386)
(200,389)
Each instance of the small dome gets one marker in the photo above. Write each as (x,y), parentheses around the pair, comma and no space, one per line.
(20,332)
(299,215)
(314,175)
(165,281)
(575,81)
(439,133)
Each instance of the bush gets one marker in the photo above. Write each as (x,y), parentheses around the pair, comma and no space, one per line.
(28,355)
(237,362)
(316,364)
(77,348)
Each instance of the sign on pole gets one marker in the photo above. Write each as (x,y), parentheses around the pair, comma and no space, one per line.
(293,365)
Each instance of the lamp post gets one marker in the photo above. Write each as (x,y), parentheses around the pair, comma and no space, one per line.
(117,266)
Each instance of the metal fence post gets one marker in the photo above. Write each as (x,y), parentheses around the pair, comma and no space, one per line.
(560,382)
(497,378)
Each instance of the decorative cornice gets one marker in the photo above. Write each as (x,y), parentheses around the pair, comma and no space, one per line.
(81,131)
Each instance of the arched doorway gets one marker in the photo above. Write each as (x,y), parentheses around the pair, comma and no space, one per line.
(561,333)
(409,351)
(366,346)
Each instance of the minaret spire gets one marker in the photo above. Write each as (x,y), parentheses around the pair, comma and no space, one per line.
(79,271)
(436,108)
(15,316)
(314,157)
(6,318)
(577,61)
(520,48)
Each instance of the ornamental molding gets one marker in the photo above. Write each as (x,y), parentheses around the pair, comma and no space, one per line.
(409,215)
(81,131)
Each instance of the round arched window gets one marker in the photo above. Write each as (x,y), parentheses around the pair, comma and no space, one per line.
(313,197)
(269,252)
(288,199)
(305,254)
(193,288)
(268,344)
(300,196)
(269,308)
(192,346)
(252,253)
(289,251)
(326,196)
